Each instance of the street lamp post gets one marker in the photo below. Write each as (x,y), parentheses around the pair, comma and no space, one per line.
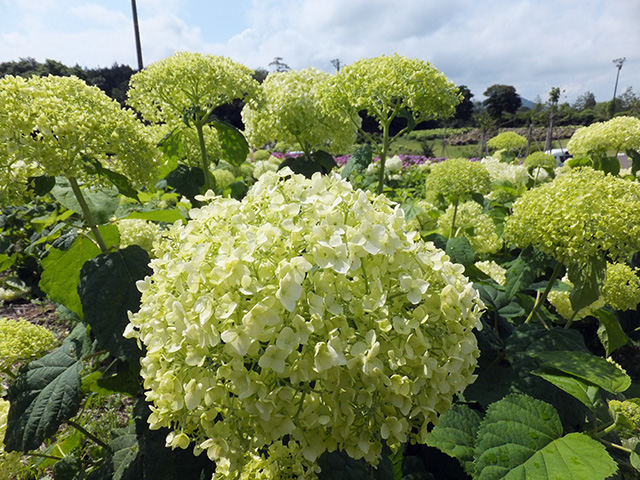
(136,31)
(618,63)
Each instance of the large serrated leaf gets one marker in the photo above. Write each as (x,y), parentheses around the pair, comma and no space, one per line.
(123,460)
(234,146)
(584,392)
(610,331)
(45,394)
(102,203)
(524,270)
(460,251)
(587,278)
(521,438)
(107,290)
(169,216)
(456,433)
(588,368)
(61,268)
(359,161)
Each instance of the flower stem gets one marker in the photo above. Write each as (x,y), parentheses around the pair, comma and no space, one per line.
(383,157)
(88,216)
(87,433)
(209,181)
(453,220)
(542,298)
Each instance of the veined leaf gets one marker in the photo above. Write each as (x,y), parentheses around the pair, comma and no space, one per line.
(584,392)
(460,251)
(45,394)
(521,438)
(107,290)
(587,278)
(456,433)
(61,268)
(168,216)
(610,331)
(588,368)
(102,203)
(234,146)
(359,160)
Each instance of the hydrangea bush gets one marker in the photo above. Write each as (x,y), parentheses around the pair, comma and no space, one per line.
(619,134)
(303,319)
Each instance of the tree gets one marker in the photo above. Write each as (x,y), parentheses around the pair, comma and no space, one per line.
(336,64)
(584,101)
(464,110)
(554,97)
(501,100)
(279,65)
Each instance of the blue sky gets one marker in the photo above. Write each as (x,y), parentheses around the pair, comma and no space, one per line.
(533,45)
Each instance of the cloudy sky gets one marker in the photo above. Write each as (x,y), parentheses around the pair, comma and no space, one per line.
(533,45)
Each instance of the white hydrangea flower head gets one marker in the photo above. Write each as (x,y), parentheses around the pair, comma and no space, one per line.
(304,311)
(138,232)
(10,462)
(501,171)
(496,272)
(394,165)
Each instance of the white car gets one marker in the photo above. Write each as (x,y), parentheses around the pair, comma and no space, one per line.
(561,154)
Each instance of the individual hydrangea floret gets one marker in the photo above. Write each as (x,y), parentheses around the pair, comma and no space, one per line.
(509,141)
(456,179)
(21,340)
(622,287)
(578,216)
(474,225)
(620,134)
(138,232)
(304,318)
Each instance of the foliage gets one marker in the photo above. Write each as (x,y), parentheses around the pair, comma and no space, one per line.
(501,100)
(275,343)
(295,110)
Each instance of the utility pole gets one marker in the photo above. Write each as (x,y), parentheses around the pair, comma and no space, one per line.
(618,63)
(136,30)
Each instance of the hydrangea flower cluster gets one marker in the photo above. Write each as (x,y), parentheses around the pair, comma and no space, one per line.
(619,134)
(308,313)
(166,89)
(21,340)
(622,287)
(474,225)
(560,299)
(577,216)
(10,464)
(505,172)
(510,141)
(456,179)
(626,415)
(296,110)
(540,160)
(51,124)
(138,232)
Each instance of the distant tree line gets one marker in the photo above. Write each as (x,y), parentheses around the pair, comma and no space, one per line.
(501,108)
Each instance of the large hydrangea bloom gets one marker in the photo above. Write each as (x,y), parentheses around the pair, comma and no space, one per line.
(52,124)
(303,319)
(619,134)
(578,216)
(456,179)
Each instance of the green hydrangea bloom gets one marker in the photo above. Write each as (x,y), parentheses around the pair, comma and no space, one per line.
(474,225)
(540,160)
(223,177)
(619,134)
(622,288)
(10,464)
(578,216)
(21,340)
(626,415)
(138,232)
(295,110)
(51,124)
(456,179)
(510,141)
(560,299)
(252,330)
(166,89)
(496,272)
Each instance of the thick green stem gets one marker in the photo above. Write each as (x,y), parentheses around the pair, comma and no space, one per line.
(88,216)
(87,433)
(383,157)
(453,220)
(542,298)
(209,181)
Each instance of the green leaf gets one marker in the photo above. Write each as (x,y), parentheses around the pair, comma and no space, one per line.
(521,437)
(61,268)
(187,181)
(44,395)
(171,148)
(122,183)
(588,368)
(302,165)
(123,377)
(168,216)
(610,331)
(460,251)
(42,185)
(587,278)
(234,146)
(108,291)
(69,468)
(325,160)
(456,433)
(524,270)
(102,203)
(122,460)
(582,391)
(359,160)
(499,301)
(610,165)
(635,161)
